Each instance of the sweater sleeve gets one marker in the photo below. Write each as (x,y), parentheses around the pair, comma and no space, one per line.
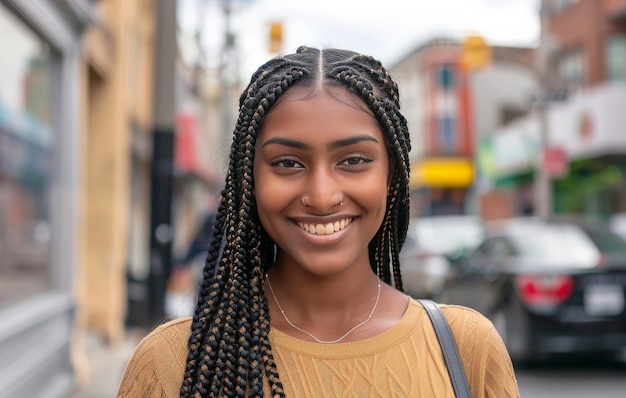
(156,367)
(485,358)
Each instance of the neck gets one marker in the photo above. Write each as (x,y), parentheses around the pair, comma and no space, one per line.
(325,319)
(326,295)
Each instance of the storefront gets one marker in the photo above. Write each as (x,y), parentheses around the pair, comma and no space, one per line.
(40,43)
(440,185)
(589,131)
(511,160)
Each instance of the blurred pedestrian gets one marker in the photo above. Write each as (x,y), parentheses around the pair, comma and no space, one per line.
(200,243)
(180,297)
(301,295)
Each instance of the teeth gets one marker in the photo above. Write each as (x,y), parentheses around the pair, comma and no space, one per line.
(325,229)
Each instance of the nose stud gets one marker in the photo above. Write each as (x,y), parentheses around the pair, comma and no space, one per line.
(304,201)
(341,201)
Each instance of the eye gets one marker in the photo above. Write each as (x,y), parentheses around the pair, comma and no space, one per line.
(287,164)
(356,160)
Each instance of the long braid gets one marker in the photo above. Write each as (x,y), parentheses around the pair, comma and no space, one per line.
(385,247)
(229,341)
(229,349)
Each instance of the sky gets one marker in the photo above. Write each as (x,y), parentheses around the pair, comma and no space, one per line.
(386,29)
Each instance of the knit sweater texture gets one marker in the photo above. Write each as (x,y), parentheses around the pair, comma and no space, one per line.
(404,361)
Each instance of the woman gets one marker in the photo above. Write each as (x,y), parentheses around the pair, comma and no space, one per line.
(302,294)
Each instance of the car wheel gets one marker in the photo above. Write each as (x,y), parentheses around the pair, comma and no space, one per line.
(511,322)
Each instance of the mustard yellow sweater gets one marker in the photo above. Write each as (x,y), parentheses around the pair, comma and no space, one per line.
(404,361)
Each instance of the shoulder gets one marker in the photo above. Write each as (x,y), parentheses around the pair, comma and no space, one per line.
(484,355)
(158,362)
(167,338)
(465,323)
(466,319)
(452,311)
(471,329)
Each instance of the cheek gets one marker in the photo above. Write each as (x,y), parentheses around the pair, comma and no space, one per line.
(262,202)
(374,194)
(263,198)
(271,198)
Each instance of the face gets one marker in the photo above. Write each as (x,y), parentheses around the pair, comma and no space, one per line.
(321,174)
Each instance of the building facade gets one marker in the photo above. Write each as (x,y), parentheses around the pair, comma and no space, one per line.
(116,82)
(578,139)
(590,60)
(40,140)
(449,109)
(78,119)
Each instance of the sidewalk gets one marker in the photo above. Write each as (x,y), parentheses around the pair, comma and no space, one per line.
(107,364)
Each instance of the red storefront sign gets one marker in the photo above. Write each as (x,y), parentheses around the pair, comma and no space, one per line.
(186,141)
(555,162)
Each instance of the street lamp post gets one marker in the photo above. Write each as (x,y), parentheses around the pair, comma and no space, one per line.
(162,183)
(543,180)
(476,53)
(228,69)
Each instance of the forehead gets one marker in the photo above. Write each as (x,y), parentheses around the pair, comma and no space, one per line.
(321,109)
(324,92)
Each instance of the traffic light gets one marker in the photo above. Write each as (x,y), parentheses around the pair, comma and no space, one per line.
(275,36)
(475,53)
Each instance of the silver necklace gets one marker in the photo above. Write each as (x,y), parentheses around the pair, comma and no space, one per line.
(313,337)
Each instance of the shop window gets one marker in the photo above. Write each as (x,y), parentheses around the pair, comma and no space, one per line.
(571,67)
(447,134)
(615,52)
(510,113)
(558,6)
(446,77)
(25,161)
(446,110)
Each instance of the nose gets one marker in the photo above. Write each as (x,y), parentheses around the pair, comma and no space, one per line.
(323,190)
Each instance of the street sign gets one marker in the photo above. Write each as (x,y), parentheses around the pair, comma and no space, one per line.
(475,53)
(555,161)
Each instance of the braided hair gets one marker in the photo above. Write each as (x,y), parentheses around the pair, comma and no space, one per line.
(229,350)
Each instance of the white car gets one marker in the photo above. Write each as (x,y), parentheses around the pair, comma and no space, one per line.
(431,242)
(617,224)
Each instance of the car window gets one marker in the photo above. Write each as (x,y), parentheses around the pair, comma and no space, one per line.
(448,234)
(500,247)
(608,242)
(484,249)
(495,247)
(566,245)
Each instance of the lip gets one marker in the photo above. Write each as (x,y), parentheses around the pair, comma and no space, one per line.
(324,238)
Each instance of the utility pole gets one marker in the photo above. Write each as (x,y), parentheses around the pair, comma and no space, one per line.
(161,229)
(476,54)
(228,70)
(543,181)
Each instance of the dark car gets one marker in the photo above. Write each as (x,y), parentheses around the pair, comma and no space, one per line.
(549,287)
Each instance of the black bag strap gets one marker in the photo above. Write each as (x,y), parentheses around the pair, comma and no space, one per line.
(448,347)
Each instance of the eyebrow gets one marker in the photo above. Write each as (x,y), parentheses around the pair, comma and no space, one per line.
(333,145)
(351,141)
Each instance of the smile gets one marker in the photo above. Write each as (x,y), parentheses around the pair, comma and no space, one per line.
(325,229)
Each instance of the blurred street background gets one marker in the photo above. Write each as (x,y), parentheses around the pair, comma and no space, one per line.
(115,123)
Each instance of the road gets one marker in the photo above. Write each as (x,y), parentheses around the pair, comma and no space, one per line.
(590,378)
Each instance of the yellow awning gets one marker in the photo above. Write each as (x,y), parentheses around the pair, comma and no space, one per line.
(442,172)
